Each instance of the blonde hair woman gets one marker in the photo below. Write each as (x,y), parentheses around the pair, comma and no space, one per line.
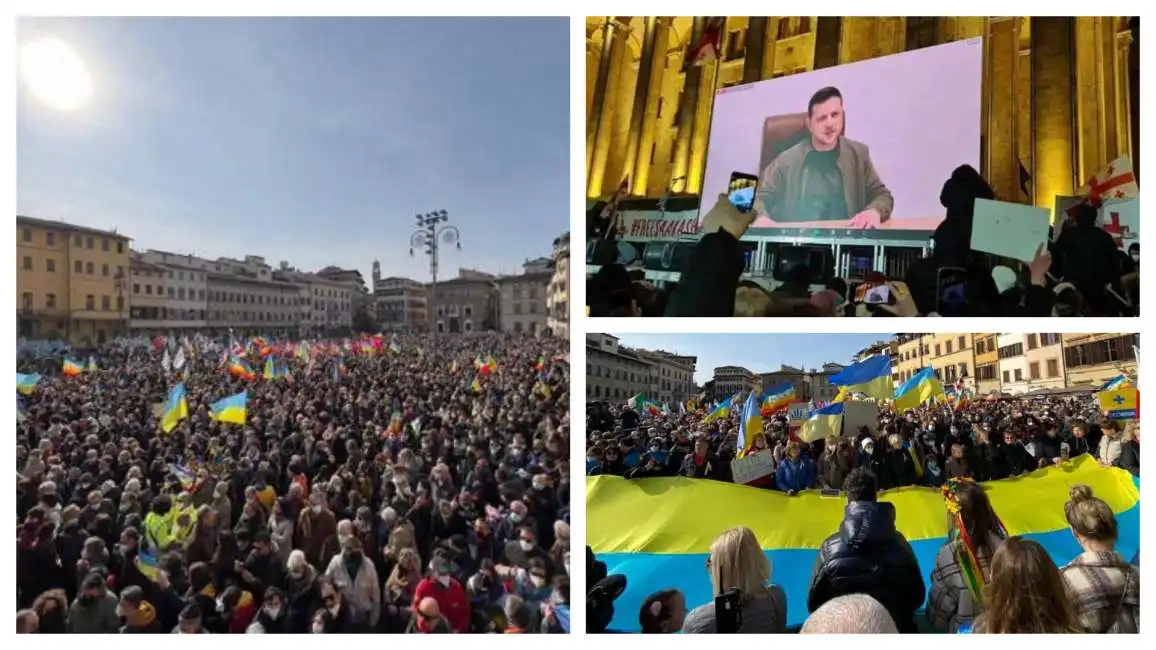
(738,562)
(1105,589)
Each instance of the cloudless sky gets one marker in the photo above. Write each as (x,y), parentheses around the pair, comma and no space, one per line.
(314,141)
(756,352)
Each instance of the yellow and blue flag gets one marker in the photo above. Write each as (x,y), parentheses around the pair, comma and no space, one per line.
(871,376)
(27,383)
(1121,403)
(825,421)
(231,409)
(777,398)
(147,565)
(750,425)
(722,410)
(920,389)
(176,408)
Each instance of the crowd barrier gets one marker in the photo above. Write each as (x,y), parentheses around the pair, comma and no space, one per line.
(658,531)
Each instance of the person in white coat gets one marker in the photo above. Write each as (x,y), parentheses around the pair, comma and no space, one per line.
(356,577)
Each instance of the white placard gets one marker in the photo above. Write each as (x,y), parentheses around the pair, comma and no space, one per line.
(1009,229)
(798,412)
(858,413)
(752,466)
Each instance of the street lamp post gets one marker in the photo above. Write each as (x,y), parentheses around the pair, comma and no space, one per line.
(430,234)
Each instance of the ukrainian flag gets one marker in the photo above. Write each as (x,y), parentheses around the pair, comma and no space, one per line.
(476,385)
(26,383)
(826,421)
(750,425)
(871,376)
(721,411)
(186,476)
(921,388)
(1120,403)
(72,368)
(176,408)
(147,565)
(658,531)
(270,370)
(231,409)
(777,398)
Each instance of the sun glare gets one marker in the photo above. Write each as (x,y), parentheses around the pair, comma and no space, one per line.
(55,74)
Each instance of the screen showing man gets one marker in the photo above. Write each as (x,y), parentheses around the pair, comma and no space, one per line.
(827,177)
(864,146)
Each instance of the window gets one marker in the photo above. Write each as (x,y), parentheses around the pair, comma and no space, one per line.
(963,370)
(1053,368)
(1006,377)
(181,293)
(120,303)
(985,373)
(27,263)
(1009,351)
(1019,373)
(517,309)
(962,343)
(50,265)
(89,242)
(148,289)
(172,292)
(90,302)
(979,347)
(27,299)
(28,234)
(89,268)
(120,247)
(105,303)
(119,271)
(948,346)
(104,244)
(1049,339)
(78,267)
(1034,370)
(104,270)
(50,238)
(50,301)
(1032,342)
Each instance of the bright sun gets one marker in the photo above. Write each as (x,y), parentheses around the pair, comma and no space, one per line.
(55,74)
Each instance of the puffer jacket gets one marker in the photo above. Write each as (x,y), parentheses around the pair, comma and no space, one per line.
(950,606)
(869,556)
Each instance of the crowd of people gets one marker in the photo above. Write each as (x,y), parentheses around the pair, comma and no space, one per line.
(378,485)
(867,578)
(1081,272)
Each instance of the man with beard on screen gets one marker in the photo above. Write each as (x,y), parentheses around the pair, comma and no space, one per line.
(826,177)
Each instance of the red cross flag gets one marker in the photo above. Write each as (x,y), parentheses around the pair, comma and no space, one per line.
(1116,183)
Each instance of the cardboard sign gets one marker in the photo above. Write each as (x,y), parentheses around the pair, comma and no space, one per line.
(1009,229)
(752,466)
(1060,212)
(798,412)
(858,413)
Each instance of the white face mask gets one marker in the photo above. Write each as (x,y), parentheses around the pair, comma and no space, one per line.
(273,612)
(318,628)
(444,580)
(515,517)
(316,510)
(538,581)
(526,545)
(566,564)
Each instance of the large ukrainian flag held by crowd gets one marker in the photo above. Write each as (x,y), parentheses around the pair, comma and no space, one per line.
(921,388)
(658,531)
(871,376)
(176,408)
(231,409)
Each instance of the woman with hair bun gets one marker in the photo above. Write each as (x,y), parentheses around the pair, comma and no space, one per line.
(1104,588)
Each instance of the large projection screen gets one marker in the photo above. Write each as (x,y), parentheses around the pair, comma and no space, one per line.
(879,147)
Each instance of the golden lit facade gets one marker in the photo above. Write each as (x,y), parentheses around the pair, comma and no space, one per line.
(1060,94)
(71,282)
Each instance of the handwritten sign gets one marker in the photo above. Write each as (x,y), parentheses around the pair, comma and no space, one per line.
(798,412)
(1009,229)
(752,466)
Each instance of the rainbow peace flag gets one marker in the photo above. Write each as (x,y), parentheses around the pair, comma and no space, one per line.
(72,368)
(777,399)
(238,367)
(658,531)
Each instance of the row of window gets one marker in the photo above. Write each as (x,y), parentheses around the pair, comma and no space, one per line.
(180,275)
(177,293)
(166,313)
(532,294)
(533,308)
(452,310)
(1053,366)
(78,241)
(28,301)
(78,266)
(1121,348)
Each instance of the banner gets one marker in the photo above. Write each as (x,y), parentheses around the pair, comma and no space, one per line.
(752,466)
(651,224)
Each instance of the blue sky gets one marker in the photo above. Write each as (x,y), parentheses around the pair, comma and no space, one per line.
(314,141)
(756,352)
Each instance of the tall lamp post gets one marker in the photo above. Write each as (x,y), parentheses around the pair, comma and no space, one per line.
(431,234)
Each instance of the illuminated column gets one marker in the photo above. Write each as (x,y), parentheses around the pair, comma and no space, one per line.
(605,96)
(757,46)
(648,90)
(708,84)
(1134,93)
(1092,120)
(828,39)
(692,79)
(1000,90)
(1053,96)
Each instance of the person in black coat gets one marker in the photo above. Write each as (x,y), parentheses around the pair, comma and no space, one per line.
(1130,455)
(900,467)
(1047,447)
(1010,458)
(1084,254)
(702,463)
(868,556)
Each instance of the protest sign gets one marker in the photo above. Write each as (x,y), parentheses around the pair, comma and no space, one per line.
(858,413)
(798,412)
(1009,229)
(752,466)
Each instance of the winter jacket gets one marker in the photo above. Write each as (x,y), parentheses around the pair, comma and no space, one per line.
(452,602)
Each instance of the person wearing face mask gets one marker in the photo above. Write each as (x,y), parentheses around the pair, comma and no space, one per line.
(449,594)
(95,610)
(335,615)
(302,593)
(272,618)
(525,550)
(446,522)
(356,577)
(263,568)
(315,525)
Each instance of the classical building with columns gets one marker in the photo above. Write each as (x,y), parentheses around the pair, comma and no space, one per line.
(1060,94)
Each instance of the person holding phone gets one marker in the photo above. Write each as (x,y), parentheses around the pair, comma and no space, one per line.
(827,177)
(740,571)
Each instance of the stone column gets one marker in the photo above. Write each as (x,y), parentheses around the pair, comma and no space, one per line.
(647,91)
(1053,115)
(756,50)
(1134,93)
(599,122)
(692,80)
(708,85)
(1000,86)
